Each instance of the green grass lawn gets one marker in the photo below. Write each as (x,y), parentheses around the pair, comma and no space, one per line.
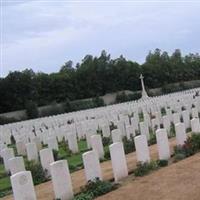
(74,160)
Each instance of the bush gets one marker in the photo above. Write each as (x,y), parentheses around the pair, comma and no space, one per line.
(94,189)
(53,109)
(107,154)
(84,196)
(179,156)
(38,174)
(129,145)
(7,120)
(106,141)
(98,102)
(55,154)
(144,168)
(152,139)
(31,110)
(162,163)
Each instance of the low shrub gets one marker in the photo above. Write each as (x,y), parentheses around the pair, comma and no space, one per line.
(38,174)
(106,141)
(55,154)
(179,156)
(144,168)
(94,189)
(162,163)
(107,154)
(31,110)
(129,145)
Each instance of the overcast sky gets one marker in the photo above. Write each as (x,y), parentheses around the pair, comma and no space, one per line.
(42,35)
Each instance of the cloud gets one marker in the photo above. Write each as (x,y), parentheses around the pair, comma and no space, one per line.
(43,35)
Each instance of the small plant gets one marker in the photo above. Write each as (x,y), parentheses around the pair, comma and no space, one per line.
(107,154)
(144,168)
(38,174)
(152,139)
(162,163)
(94,189)
(129,145)
(84,196)
(106,141)
(31,110)
(55,154)
(179,156)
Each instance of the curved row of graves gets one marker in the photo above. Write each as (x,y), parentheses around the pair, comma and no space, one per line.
(135,119)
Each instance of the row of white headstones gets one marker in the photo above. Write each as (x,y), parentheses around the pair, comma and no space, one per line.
(21,180)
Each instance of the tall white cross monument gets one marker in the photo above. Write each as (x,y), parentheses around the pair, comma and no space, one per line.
(144,93)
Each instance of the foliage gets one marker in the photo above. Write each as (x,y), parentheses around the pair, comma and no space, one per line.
(107,154)
(162,163)
(106,141)
(31,110)
(38,174)
(123,97)
(94,189)
(129,145)
(55,154)
(144,168)
(190,147)
(7,120)
(96,76)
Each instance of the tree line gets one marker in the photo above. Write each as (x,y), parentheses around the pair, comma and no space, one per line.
(95,76)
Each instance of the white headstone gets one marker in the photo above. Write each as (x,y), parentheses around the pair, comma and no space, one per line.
(97,146)
(32,153)
(142,149)
(180,133)
(61,180)
(46,158)
(118,160)
(16,165)
(7,153)
(22,186)
(162,144)
(92,167)
(195,124)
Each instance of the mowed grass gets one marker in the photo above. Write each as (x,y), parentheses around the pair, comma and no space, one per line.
(5,185)
(75,162)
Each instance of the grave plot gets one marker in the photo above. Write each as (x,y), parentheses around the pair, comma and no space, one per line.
(97,145)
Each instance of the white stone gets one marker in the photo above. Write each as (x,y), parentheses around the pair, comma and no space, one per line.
(22,186)
(32,153)
(61,180)
(195,124)
(144,129)
(142,149)
(130,132)
(7,153)
(121,127)
(116,135)
(52,143)
(180,133)
(21,148)
(106,130)
(38,143)
(118,160)
(90,132)
(92,167)
(176,118)
(167,124)
(97,146)
(16,165)
(162,144)
(72,142)
(46,158)
(186,118)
